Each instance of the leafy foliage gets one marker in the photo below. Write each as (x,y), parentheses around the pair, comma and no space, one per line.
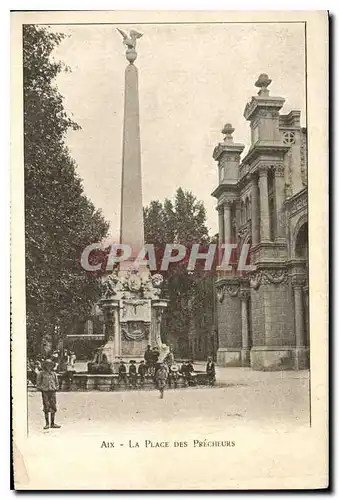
(59,219)
(182,221)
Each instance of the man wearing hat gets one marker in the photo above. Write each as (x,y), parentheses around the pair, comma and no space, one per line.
(132,374)
(122,372)
(47,383)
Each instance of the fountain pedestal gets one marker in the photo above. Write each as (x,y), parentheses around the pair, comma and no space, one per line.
(132,310)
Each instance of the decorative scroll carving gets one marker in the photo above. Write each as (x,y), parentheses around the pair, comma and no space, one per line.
(276,277)
(263,170)
(279,170)
(220,294)
(255,280)
(231,290)
(152,287)
(113,285)
(135,330)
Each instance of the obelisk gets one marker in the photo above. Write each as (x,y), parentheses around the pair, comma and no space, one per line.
(131,299)
(131,223)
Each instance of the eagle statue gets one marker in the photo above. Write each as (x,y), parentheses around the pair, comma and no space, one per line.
(131,40)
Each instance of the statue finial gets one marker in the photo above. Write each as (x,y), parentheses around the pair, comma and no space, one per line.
(130,42)
(228,131)
(263,82)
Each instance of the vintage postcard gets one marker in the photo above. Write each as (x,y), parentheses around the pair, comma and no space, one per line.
(169,281)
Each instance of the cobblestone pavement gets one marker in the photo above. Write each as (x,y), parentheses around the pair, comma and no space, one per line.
(244,398)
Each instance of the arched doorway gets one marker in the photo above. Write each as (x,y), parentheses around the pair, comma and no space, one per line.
(301,243)
(301,253)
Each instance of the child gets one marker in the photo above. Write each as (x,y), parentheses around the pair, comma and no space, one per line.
(142,369)
(47,383)
(161,378)
(173,375)
(132,373)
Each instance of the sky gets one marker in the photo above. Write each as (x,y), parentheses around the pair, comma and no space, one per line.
(193,78)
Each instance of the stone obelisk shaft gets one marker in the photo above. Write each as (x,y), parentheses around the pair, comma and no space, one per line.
(132,225)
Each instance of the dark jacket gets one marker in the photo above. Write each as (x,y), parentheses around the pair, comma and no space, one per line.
(148,355)
(210,368)
(132,370)
(142,369)
(122,369)
(47,381)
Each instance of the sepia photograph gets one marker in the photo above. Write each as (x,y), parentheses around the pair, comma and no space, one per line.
(165,246)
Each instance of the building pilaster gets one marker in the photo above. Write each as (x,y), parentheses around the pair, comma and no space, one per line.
(255,210)
(264,210)
(279,199)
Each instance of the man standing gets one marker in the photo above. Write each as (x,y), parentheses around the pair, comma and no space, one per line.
(210,371)
(148,358)
(161,378)
(47,383)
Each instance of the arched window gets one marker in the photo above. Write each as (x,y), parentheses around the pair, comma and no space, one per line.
(242,212)
(247,209)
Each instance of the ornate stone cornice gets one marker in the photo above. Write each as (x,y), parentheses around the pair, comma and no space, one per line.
(275,149)
(265,104)
(232,151)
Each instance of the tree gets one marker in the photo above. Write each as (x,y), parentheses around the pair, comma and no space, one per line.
(59,220)
(182,221)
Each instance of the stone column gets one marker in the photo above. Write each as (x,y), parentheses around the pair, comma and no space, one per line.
(306,312)
(221,224)
(255,210)
(299,317)
(112,330)
(227,222)
(245,358)
(117,343)
(264,211)
(279,199)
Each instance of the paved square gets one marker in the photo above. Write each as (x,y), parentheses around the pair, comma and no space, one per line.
(267,400)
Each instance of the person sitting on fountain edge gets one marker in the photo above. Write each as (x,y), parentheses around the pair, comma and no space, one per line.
(122,372)
(132,374)
(142,369)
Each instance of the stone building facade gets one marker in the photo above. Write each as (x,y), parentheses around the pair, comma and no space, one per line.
(262,314)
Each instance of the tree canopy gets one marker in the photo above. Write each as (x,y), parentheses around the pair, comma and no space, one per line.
(60,220)
(182,221)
